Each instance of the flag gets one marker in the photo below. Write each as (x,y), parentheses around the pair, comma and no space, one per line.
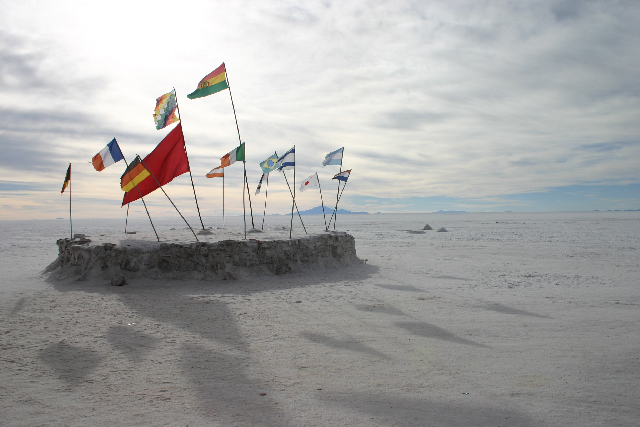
(232,156)
(67,178)
(211,83)
(167,161)
(270,164)
(216,172)
(260,184)
(333,158)
(109,155)
(311,182)
(133,175)
(287,161)
(166,109)
(342,176)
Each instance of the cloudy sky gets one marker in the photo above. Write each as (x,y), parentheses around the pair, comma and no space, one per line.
(457,105)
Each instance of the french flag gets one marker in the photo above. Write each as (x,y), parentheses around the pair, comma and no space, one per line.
(110,155)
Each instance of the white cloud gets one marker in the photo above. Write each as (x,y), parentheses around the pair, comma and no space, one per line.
(457,99)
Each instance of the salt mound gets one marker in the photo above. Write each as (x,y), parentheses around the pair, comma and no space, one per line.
(427,227)
(227,259)
(442,230)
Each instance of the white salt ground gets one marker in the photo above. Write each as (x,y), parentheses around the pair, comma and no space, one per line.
(509,319)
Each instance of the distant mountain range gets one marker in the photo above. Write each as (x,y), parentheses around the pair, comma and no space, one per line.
(328,211)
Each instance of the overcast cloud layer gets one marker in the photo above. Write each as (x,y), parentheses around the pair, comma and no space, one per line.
(440,105)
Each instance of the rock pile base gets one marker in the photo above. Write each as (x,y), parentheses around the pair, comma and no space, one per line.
(227,259)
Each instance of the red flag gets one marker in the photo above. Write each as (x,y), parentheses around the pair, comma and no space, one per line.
(165,162)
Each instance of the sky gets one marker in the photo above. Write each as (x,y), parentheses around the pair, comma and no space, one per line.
(459,105)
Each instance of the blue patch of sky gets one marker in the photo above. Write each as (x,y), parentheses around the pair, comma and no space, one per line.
(567,198)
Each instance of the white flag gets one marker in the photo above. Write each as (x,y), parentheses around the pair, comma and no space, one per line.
(311,182)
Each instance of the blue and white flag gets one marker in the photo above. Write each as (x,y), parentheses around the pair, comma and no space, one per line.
(288,161)
(333,158)
(342,176)
(260,184)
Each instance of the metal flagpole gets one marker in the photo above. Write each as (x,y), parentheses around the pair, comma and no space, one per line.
(185,152)
(244,209)
(294,191)
(322,201)
(126,221)
(337,197)
(141,198)
(336,210)
(249,194)
(165,193)
(223,223)
(70,220)
(266,193)
(294,201)
(245,170)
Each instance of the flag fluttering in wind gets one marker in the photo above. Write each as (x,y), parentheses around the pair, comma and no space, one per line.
(216,172)
(270,164)
(109,155)
(67,178)
(167,161)
(133,175)
(333,158)
(166,110)
(211,83)
(260,184)
(288,160)
(232,156)
(311,182)
(342,176)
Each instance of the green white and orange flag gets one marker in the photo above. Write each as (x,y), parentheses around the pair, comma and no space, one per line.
(232,156)
(216,172)
(211,83)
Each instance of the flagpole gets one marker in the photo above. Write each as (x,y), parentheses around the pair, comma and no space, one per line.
(337,194)
(335,212)
(141,198)
(165,193)
(223,223)
(266,193)
(70,220)
(294,200)
(244,209)
(249,194)
(185,152)
(294,190)
(322,201)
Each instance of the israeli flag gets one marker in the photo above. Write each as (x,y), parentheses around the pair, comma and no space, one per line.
(288,161)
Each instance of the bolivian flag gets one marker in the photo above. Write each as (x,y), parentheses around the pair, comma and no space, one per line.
(211,83)
(134,175)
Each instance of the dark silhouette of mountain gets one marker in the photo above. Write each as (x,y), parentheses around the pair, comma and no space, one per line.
(328,211)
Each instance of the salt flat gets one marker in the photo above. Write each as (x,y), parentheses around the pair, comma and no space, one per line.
(508,319)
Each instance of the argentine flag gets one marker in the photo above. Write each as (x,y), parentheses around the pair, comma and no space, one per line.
(333,158)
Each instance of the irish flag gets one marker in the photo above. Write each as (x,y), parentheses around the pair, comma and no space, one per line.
(211,83)
(232,156)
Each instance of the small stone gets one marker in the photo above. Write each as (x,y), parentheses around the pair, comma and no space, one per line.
(427,227)
(442,230)
(119,280)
